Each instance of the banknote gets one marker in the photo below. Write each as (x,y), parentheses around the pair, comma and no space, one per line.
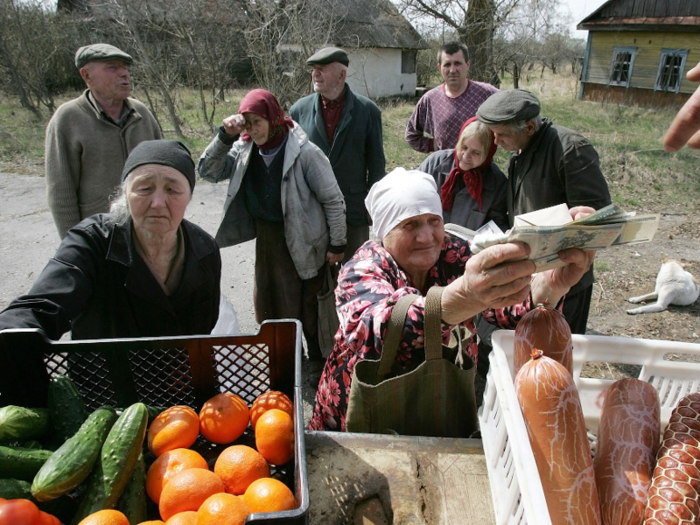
(606,227)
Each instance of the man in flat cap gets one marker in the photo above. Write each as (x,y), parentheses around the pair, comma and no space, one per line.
(441,112)
(549,165)
(348,128)
(89,138)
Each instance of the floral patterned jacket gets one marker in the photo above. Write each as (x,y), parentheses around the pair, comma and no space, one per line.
(369,285)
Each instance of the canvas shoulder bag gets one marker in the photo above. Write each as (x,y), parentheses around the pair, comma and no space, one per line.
(435,399)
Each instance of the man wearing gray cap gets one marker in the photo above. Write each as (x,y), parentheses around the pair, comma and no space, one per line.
(89,138)
(549,165)
(348,129)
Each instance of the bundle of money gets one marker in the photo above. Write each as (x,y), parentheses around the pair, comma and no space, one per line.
(551,230)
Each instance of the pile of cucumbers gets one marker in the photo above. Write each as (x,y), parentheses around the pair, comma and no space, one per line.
(97,462)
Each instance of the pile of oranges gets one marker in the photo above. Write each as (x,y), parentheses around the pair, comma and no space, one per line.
(179,480)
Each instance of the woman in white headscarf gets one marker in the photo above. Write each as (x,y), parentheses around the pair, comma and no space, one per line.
(412,254)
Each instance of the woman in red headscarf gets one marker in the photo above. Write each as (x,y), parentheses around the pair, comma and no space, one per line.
(473,191)
(472,188)
(283,192)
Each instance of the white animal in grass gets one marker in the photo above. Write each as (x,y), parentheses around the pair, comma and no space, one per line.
(673,286)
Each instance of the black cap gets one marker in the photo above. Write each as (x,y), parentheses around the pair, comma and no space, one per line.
(510,105)
(164,152)
(328,55)
(100,52)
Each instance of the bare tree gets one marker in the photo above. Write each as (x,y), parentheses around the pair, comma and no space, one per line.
(475,23)
(33,62)
(281,35)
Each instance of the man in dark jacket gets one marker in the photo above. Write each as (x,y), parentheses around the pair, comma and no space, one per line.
(549,165)
(348,129)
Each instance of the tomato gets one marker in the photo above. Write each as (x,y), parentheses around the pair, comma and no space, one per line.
(47,519)
(19,512)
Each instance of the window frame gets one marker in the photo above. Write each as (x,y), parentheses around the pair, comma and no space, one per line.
(617,50)
(409,61)
(666,52)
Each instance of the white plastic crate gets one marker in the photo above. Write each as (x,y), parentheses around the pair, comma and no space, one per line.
(515,483)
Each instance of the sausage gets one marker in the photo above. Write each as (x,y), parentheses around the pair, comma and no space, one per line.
(628,438)
(554,421)
(675,486)
(547,330)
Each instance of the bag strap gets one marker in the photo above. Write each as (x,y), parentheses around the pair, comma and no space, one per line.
(433,323)
(331,277)
(394,331)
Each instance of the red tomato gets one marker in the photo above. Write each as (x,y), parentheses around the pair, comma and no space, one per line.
(19,512)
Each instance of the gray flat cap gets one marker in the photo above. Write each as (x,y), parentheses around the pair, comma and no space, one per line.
(508,106)
(100,52)
(328,55)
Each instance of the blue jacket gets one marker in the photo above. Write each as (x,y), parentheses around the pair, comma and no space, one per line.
(357,152)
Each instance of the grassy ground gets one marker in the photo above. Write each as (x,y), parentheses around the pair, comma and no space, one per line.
(640,173)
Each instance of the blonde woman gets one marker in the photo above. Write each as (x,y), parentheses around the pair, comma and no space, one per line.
(472,188)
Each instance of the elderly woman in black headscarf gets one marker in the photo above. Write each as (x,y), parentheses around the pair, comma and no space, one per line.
(140,271)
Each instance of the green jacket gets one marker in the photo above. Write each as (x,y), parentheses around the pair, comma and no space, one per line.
(357,152)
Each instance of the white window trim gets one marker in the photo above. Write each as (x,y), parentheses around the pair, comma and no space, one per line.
(664,53)
(616,50)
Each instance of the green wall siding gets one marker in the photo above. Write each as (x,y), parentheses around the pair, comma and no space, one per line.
(646,61)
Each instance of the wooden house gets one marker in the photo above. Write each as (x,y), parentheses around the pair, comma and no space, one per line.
(639,51)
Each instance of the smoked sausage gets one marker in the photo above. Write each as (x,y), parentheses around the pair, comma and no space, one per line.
(628,439)
(547,330)
(554,421)
(674,495)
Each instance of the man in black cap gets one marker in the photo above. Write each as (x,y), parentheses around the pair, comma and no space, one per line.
(549,165)
(348,129)
(89,138)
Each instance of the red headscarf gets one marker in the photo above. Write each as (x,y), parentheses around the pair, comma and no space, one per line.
(264,104)
(472,178)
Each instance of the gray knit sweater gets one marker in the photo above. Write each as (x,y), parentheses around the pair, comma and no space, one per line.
(84,156)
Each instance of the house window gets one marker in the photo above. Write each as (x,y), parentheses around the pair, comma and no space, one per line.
(621,69)
(671,70)
(408,61)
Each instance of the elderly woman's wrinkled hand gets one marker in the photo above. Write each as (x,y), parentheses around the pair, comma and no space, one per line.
(548,287)
(499,276)
(234,125)
(579,212)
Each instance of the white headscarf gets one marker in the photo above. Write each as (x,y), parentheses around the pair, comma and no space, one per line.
(400,195)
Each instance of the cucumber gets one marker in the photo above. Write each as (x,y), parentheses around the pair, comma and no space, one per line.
(66,407)
(21,463)
(116,462)
(22,424)
(132,502)
(15,489)
(72,462)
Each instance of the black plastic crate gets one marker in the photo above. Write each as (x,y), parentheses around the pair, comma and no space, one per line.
(169,371)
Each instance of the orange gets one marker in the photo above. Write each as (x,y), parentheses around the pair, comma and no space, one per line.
(222,509)
(47,519)
(152,522)
(187,490)
(176,427)
(223,418)
(238,466)
(268,400)
(269,495)
(189,517)
(274,436)
(105,517)
(167,465)
(19,512)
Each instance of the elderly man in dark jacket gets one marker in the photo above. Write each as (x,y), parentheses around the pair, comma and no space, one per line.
(348,129)
(549,165)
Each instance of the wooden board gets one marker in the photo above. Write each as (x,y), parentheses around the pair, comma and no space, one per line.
(369,479)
